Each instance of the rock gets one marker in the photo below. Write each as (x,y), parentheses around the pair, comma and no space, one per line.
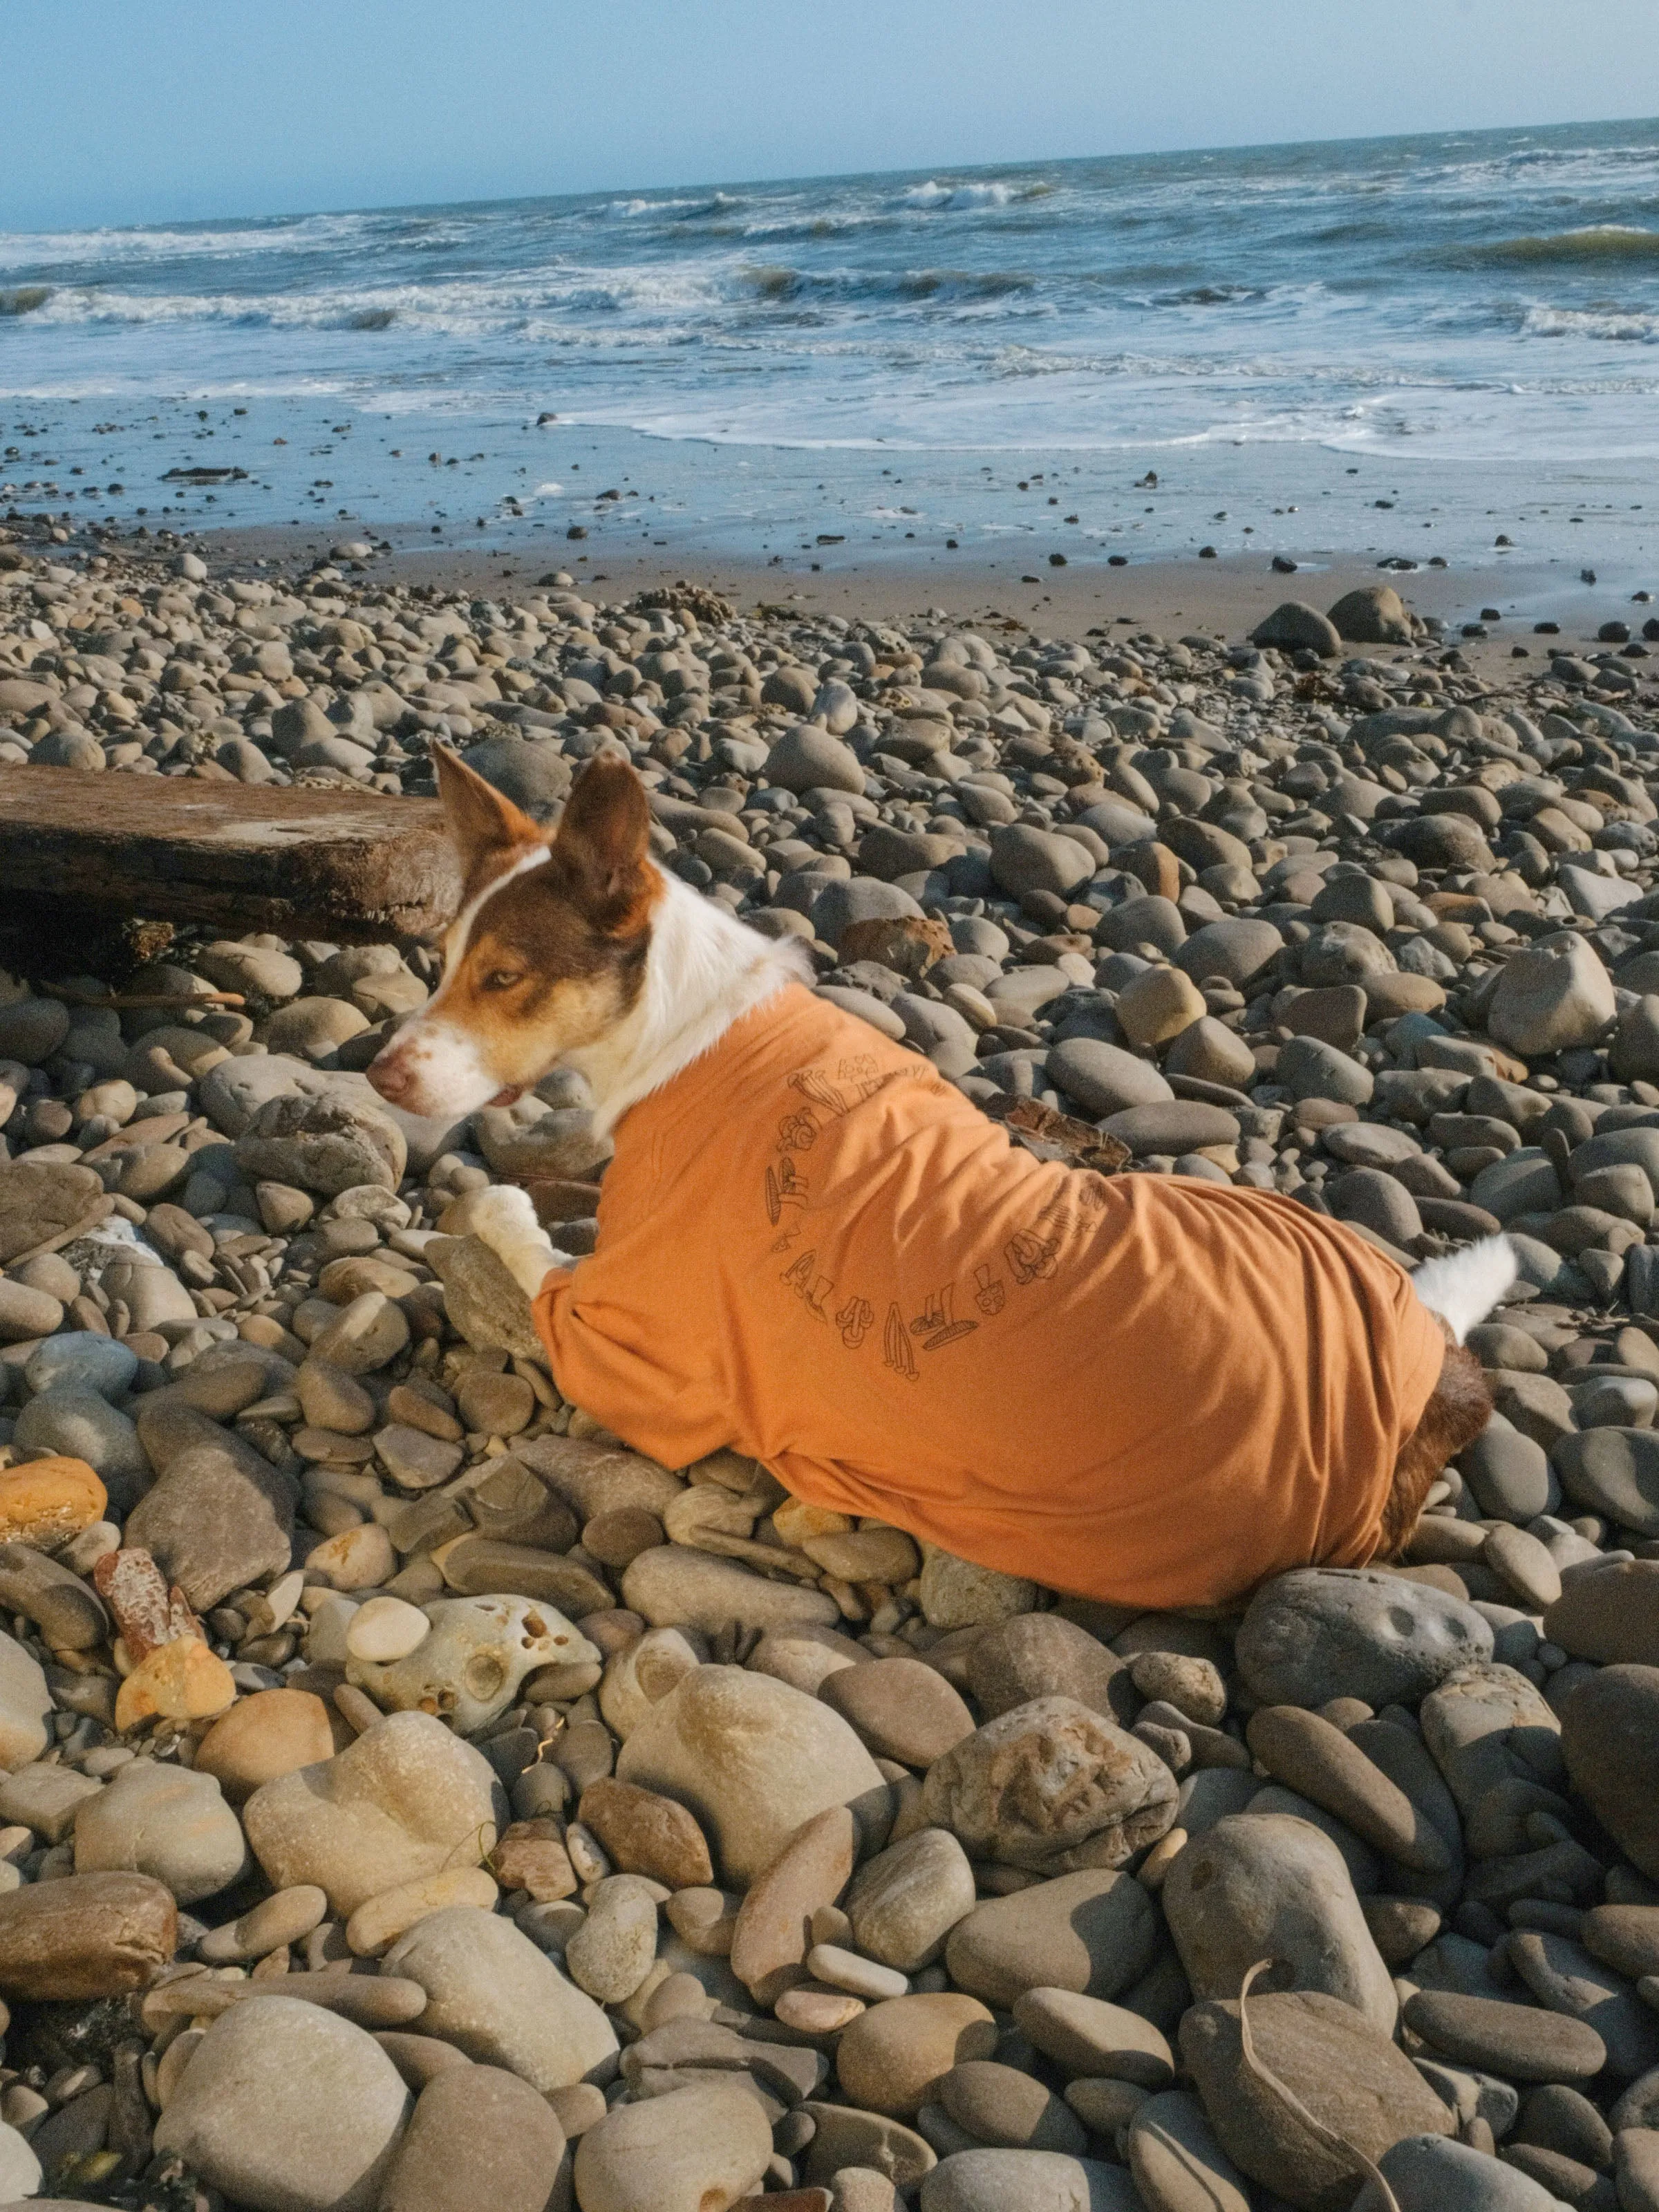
(1309,1068)
(1308,1754)
(1024,858)
(1564,1976)
(1373,614)
(1177,2162)
(1262,1886)
(613,1952)
(179,1681)
(1489,1725)
(284,2107)
(469,1668)
(216,1521)
(165,1821)
(407,1799)
(25,1705)
(1093,1933)
(1609,1615)
(1509,1474)
(492,1994)
(890,2059)
(20,2169)
(808,758)
(693,2150)
(1293,626)
(1427,2173)
(899,1709)
(484,1301)
(1613,1472)
(904,1902)
(324,1145)
(1386,1640)
(1522,2042)
(1610,1738)
(1182,1126)
(478,2136)
(78,1360)
(50,1500)
(1042,1655)
(1552,995)
(1026,2181)
(643,1832)
(1103,1078)
(1051,1786)
(85,1936)
(750,1758)
(25,1313)
(263,1736)
(1001,2106)
(1237,950)
(531,772)
(1156,1007)
(1328,2055)
(1087,2038)
(773,1931)
(1209,1052)
(386,1629)
(956,1593)
(40,1198)
(79,1424)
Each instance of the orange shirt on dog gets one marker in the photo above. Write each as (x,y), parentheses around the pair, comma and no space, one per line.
(1144,1389)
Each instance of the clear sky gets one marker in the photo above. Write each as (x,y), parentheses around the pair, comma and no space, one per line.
(138,111)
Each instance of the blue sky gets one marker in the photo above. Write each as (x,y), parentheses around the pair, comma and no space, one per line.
(135,111)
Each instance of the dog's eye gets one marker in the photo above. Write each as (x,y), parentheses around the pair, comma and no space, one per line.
(503,979)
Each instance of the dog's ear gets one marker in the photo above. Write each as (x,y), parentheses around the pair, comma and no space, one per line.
(481,819)
(603,841)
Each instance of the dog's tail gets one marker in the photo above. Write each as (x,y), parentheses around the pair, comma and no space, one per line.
(1465,1286)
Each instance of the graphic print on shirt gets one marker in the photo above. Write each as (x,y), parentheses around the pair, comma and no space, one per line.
(1030,1254)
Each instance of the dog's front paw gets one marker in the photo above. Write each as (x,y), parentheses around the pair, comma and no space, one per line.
(502,1215)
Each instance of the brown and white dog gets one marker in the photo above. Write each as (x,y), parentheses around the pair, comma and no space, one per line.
(579,950)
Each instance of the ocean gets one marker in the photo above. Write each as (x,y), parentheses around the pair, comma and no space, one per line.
(1466,323)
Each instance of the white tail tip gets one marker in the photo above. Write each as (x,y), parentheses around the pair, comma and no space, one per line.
(1465,1286)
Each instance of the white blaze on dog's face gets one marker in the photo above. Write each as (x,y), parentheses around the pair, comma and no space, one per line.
(547,952)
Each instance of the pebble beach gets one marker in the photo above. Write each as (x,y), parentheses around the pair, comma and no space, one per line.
(413,1800)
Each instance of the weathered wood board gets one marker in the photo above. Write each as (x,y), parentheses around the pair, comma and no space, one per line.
(337,864)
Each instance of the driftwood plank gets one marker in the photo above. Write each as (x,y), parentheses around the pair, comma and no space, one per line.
(307,863)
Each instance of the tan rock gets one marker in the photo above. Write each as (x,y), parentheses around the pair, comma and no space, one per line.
(644,1833)
(697,2149)
(48,1500)
(773,1933)
(179,1681)
(378,1923)
(261,1737)
(892,2058)
(85,1936)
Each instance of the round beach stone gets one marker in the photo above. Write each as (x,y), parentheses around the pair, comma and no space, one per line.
(1041,1655)
(1610,1739)
(1026,2181)
(1103,1078)
(643,1832)
(900,1709)
(386,1629)
(1003,2105)
(262,1736)
(478,2136)
(82,1425)
(904,1902)
(693,2150)
(1177,2162)
(285,2107)
(1094,1932)
(85,1936)
(673,1586)
(490,1992)
(1609,1614)
(167,1821)
(1384,1640)
(48,1501)
(80,1360)
(407,1799)
(750,1758)
(1552,995)
(1052,1786)
(890,2058)
(1525,2043)
(1086,2036)
(1352,2079)
(1236,950)
(1264,1886)
(1025,858)
(808,758)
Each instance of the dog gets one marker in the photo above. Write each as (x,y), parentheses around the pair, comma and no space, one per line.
(1151,1390)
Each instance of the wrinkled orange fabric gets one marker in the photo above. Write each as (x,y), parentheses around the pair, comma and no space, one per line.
(1144,1389)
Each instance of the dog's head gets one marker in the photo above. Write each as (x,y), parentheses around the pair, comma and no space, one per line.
(547,952)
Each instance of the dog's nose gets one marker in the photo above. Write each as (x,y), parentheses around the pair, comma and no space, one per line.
(390,1078)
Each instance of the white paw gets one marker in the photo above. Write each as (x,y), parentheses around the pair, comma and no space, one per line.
(502,1216)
